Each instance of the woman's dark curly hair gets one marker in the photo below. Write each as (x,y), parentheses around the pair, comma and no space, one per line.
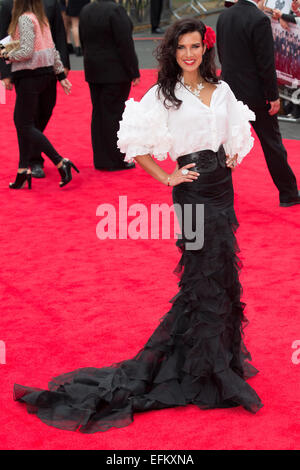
(169,72)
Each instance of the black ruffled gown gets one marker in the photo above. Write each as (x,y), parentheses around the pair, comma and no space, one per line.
(196,355)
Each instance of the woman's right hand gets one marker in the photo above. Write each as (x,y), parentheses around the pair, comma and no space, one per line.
(66,86)
(177,177)
(296,7)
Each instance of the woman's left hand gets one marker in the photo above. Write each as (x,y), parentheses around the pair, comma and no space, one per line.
(231,162)
(66,86)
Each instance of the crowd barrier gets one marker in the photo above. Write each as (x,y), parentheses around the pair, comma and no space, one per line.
(139,10)
(287,62)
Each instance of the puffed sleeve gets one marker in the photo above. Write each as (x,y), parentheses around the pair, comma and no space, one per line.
(239,138)
(144,128)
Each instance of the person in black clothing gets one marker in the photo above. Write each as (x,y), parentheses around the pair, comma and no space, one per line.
(67,23)
(53,13)
(110,65)
(156,7)
(246,52)
(35,65)
(73,9)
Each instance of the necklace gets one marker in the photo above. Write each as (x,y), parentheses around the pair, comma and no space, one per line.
(195,91)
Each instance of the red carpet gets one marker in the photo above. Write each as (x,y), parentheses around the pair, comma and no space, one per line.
(70,300)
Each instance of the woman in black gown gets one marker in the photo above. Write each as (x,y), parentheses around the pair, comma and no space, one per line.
(196,355)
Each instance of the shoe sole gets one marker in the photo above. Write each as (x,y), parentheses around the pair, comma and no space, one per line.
(115,169)
(38,177)
(288,204)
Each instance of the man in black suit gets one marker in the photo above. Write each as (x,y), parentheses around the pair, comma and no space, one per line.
(110,65)
(246,52)
(53,13)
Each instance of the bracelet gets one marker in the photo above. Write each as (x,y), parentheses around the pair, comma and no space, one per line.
(168,180)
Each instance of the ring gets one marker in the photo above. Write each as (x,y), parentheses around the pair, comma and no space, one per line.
(185,171)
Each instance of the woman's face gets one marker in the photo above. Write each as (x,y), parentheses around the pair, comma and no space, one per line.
(190,51)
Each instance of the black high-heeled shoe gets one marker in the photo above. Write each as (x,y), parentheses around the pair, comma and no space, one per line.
(66,172)
(78,51)
(20,181)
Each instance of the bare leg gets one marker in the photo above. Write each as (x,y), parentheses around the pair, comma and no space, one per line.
(75,30)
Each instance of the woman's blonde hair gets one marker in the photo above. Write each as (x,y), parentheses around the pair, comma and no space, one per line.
(24,6)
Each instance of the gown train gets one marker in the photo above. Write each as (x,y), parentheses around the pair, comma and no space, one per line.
(196,355)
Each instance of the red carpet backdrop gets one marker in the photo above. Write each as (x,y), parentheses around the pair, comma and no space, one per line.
(70,300)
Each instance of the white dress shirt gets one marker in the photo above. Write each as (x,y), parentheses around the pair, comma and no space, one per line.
(252,1)
(147,127)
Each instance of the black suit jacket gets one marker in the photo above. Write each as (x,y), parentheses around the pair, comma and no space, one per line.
(246,52)
(53,13)
(106,39)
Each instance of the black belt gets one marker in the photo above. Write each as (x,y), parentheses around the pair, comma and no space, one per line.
(206,160)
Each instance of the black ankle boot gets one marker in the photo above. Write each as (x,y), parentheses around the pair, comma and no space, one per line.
(66,172)
(70,48)
(78,51)
(20,181)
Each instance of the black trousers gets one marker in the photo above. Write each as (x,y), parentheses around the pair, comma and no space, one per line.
(31,93)
(155,12)
(108,102)
(44,112)
(268,132)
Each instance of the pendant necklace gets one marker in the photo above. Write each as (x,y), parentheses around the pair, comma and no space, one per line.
(196,91)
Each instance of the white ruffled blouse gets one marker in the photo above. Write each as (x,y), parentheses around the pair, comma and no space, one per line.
(147,127)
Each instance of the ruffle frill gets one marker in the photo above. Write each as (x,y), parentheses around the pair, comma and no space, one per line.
(240,140)
(144,131)
(195,356)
